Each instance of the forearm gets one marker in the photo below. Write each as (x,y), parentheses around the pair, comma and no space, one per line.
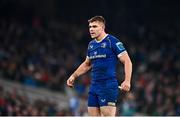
(127,66)
(128,69)
(83,68)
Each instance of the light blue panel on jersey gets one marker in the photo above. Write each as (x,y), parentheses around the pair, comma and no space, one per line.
(120,46)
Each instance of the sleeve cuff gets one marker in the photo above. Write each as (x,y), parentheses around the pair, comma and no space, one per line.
(121,54)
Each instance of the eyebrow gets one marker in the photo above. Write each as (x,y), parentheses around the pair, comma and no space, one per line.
(94,26)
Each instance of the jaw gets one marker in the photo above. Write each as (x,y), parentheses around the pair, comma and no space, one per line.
(93,36)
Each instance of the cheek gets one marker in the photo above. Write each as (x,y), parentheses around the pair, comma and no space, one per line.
(99,31)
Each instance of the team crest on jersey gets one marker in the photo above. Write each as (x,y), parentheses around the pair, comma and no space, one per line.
(103,45)
(90,46)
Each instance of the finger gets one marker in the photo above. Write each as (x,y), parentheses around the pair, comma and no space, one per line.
(123,87)
(69,83)
(71,86)
(126,88)
(71,80)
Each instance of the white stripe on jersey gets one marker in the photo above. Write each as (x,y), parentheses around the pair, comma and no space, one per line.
(122,53)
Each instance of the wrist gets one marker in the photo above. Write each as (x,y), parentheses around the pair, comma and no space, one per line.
(127,80)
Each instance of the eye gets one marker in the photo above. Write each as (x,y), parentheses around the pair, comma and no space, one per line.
(93,26)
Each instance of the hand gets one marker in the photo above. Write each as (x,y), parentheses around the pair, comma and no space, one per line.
(125,86)
(70,81)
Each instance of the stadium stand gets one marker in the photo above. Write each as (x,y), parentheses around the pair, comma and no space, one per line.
(37,55)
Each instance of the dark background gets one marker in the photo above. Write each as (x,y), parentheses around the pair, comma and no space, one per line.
(43,41)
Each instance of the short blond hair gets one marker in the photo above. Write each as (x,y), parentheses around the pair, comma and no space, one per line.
(97,18)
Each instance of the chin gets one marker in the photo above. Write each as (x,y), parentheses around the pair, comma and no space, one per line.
(93,37)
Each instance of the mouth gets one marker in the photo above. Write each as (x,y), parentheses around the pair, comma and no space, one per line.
(92,33)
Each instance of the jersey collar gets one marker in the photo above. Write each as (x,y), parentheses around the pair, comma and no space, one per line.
(101,39)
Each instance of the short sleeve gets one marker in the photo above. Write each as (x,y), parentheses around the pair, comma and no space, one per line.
(118,47)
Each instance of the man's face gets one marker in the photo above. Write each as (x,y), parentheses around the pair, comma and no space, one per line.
(96,28)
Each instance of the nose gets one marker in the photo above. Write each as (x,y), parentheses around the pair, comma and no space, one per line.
(90,29)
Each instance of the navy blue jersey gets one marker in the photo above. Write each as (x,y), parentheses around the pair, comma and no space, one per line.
(104,56)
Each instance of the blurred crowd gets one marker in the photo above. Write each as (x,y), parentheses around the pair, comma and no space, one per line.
(14,104)
(44,54)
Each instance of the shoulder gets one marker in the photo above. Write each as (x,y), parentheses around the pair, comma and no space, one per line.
(113,39)
(91,44)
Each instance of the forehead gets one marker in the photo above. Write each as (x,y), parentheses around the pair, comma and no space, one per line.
(95,23)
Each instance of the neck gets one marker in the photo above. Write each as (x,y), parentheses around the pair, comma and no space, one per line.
(102,36)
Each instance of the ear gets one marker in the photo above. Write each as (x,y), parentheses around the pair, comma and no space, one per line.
(103,26)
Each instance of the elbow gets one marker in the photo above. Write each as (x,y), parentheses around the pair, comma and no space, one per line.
(87,67)
(128,62)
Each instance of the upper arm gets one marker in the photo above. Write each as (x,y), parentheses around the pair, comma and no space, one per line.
(125,57)
(87,62)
